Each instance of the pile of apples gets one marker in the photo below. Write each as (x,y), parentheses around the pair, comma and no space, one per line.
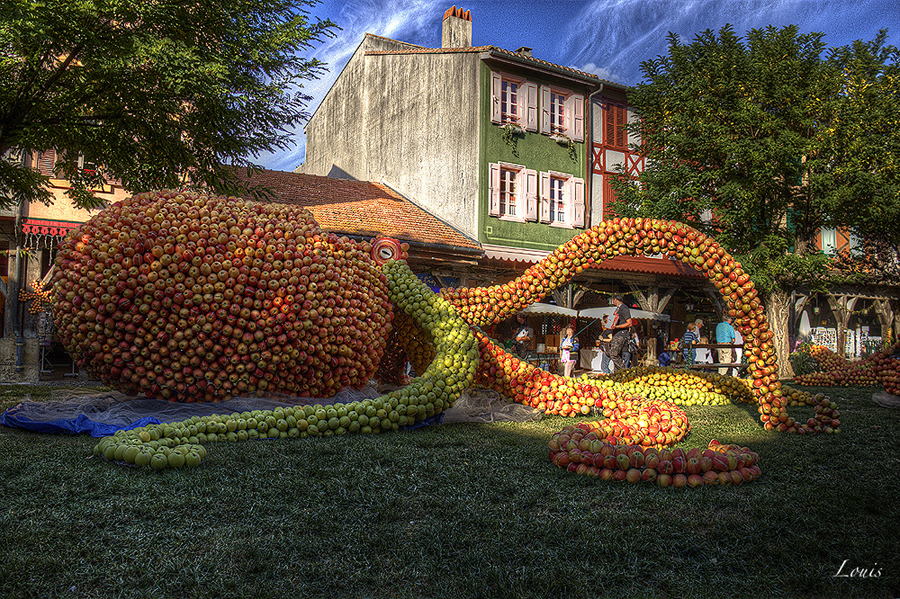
(190,297)
(581,449)
(838,371)
(683,387)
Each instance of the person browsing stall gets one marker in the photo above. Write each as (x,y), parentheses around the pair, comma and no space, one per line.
(620,325)
(568,350)
(725,334)
(524,335)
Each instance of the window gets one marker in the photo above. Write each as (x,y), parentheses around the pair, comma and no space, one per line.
(557,200)
(508,192)
(562,113)
(513,192)
(557,113)
(562,200)
(509,101)
(514,100)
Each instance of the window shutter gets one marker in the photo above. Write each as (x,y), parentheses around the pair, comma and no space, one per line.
(494,190)
(46,162)
(531,194)
(496,115)
(621,116)
(531,94)
(578,201)
(545,110)
(575,112)
(545,197)
(615,119)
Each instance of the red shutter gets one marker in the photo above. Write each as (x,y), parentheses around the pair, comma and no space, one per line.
(616,117)
(609,196)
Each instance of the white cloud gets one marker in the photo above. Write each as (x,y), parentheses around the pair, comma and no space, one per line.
(602,72)
(411,21)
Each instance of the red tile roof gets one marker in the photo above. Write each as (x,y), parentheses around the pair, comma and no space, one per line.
(654,266)
(360,208)
(498,52)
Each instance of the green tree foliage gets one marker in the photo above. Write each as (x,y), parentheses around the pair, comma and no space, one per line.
(151,91)
(762,141)
(859,174)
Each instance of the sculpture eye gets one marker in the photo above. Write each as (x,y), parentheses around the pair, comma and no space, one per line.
(385,249)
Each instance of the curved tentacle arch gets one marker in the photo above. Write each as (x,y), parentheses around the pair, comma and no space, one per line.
(636,237)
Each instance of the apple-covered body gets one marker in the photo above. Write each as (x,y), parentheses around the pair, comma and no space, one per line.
(189,297)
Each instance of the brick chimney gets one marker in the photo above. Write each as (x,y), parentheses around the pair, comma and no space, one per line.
(456,29)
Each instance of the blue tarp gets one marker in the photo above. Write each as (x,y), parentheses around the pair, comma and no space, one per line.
(17,417)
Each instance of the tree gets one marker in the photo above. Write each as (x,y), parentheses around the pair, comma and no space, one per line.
(861,153)
(739,140)
(151,91)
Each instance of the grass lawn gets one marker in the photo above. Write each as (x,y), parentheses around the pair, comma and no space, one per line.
(454,511)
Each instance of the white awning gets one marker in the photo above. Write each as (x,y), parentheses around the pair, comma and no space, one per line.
(538,308)
(610,310)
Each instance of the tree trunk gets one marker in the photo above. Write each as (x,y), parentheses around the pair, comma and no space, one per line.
(778,309)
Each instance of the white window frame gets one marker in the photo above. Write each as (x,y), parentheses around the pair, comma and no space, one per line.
(525,192)
(572,125)
(557,194)
(526,103)
(573,200)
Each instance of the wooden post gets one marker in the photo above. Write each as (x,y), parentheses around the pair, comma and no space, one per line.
(841,306)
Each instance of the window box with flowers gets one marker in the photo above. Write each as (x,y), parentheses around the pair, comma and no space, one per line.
(565,141)
(510,131)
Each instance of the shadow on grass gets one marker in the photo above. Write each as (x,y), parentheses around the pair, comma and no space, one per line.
(461,510)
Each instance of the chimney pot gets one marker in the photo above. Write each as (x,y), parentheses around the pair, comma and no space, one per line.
(456,28)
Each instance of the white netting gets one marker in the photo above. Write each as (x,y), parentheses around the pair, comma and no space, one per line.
(118,410)
(486,405)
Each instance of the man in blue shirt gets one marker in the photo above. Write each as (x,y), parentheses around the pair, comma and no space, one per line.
(725,334)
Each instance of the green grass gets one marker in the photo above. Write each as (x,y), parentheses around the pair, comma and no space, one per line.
(454,511)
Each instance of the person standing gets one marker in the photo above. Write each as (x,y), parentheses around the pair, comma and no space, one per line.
(687,343)
(631,349)
(621,328)
(725,334)
(524,335)
(568,351)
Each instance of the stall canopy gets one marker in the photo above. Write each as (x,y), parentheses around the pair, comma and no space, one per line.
(609,310)
(538,308)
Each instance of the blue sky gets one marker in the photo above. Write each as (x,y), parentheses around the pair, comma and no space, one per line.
(607,37)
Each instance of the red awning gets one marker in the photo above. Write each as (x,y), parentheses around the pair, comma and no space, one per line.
(39,226)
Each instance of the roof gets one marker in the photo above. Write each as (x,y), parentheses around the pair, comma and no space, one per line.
(496,52)
(653,266)
(361,208)
(625,264)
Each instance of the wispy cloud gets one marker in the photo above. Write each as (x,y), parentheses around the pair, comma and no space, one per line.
(615,36)
(408,20)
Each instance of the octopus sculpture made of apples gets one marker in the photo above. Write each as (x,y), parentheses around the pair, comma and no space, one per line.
(186,297)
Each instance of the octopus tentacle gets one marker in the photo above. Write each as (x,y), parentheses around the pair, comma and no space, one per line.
(635,237)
